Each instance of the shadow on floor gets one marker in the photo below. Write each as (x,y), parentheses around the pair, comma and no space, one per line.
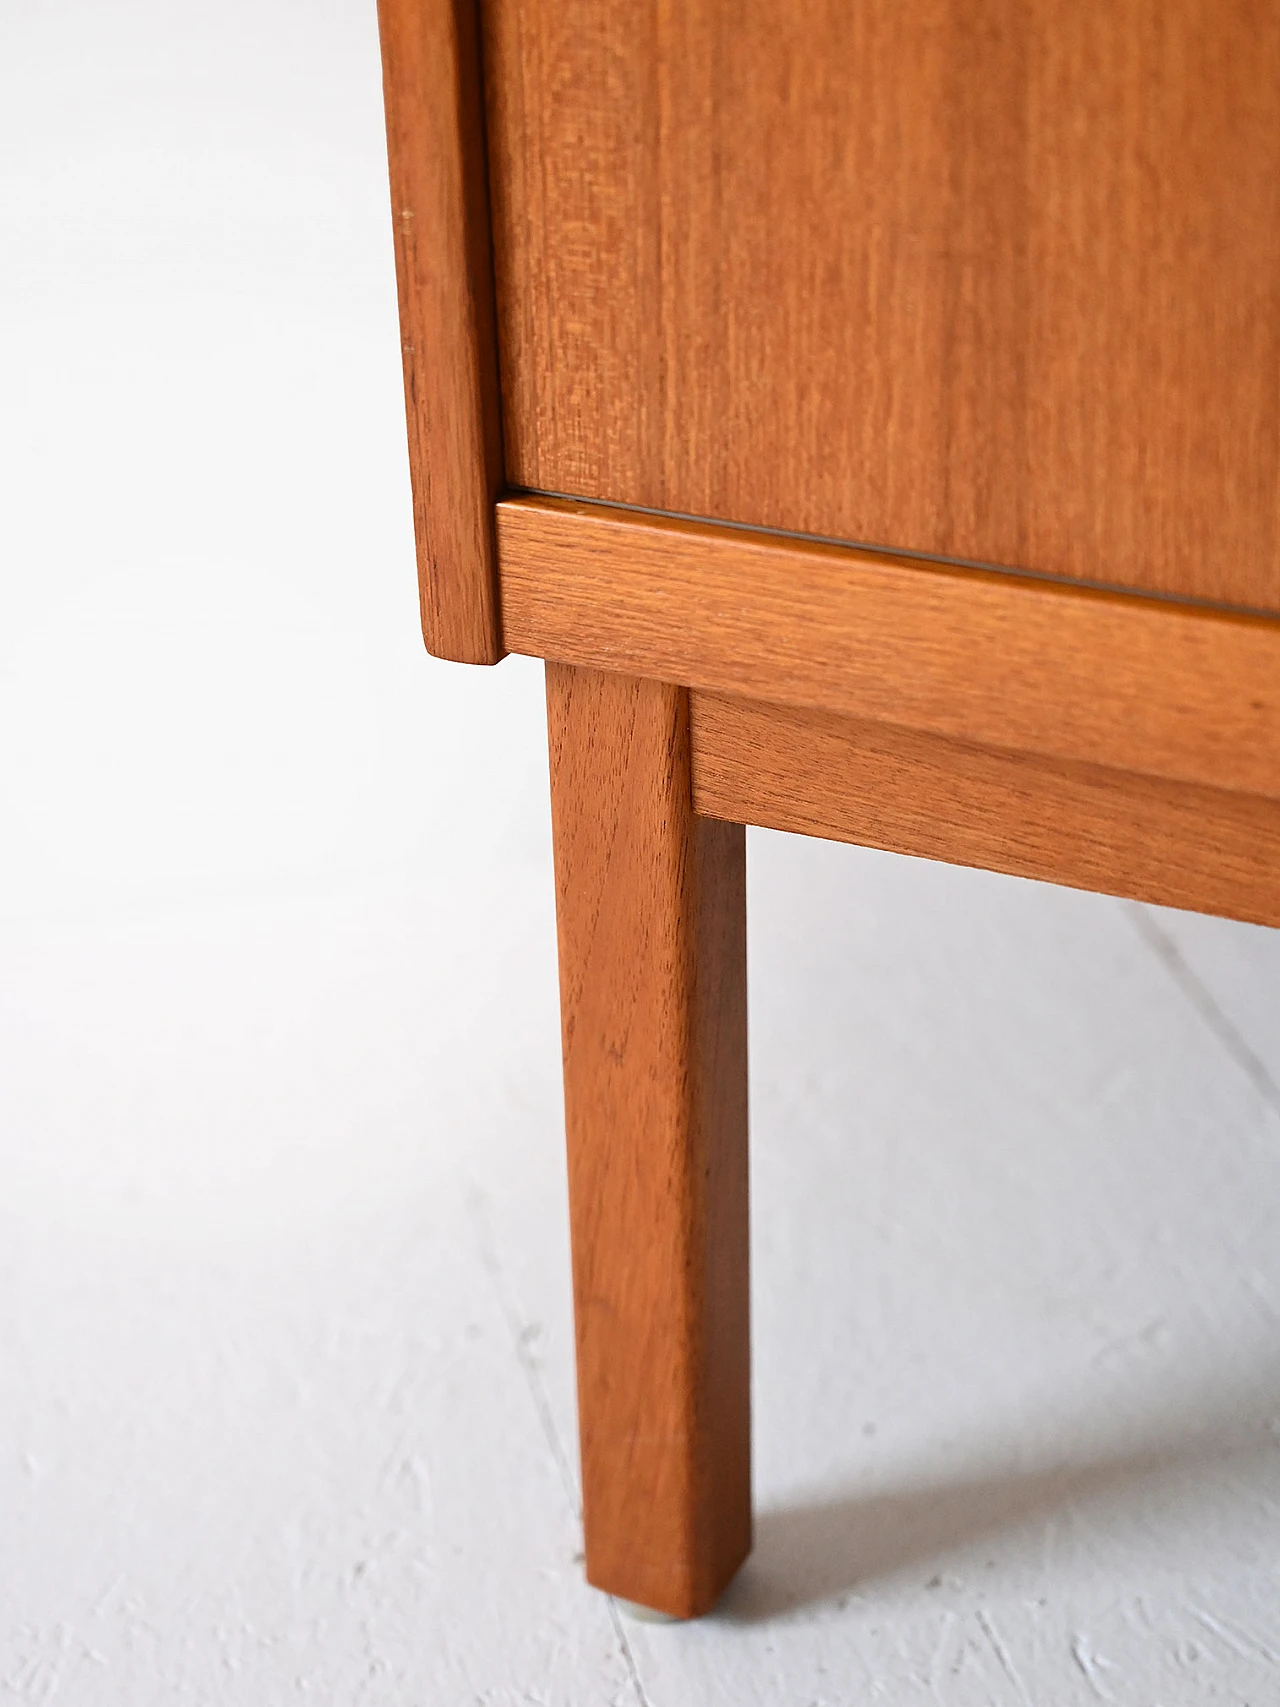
(837,1546)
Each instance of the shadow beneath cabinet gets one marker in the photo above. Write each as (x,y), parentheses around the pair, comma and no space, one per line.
(841,1546)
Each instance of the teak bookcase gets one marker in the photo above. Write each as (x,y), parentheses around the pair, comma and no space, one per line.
(872,415)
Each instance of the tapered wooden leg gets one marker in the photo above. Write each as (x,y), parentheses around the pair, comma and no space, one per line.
(651,912)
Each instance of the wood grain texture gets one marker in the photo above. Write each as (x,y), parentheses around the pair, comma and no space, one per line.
(444,272)
(1071,673)
(651,917)
(995,280)
(1082,825)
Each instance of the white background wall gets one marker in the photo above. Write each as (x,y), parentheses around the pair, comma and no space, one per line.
(285,1360)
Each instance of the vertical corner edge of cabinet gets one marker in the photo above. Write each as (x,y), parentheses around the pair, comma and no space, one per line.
(448,324)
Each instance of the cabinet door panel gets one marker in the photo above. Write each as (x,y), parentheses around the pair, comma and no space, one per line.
(992,279)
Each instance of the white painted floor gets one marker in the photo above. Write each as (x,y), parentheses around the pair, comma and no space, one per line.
(285,1356)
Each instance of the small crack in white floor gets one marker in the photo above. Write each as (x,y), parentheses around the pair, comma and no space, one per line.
(625,1644)
(1201,999)
(519,1329)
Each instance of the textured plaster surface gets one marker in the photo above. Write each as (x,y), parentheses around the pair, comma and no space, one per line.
(286,1405)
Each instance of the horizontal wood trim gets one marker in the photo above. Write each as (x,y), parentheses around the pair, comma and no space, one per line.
(444,273)
(1070,673)
(884,787)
